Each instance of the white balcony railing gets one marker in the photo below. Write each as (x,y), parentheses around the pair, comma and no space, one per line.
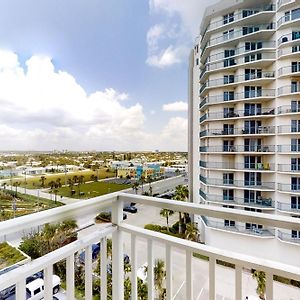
(115,202)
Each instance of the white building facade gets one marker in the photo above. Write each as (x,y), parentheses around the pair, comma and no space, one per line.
(244,113)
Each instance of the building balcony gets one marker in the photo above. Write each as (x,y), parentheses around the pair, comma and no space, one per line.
(288,19)
(288,71)
(266,45)
(289,149)
(237,149)
(288,90)
(289,52)
(260,130)
(264,94)
(233,81)
(237,114)
(231,64)
(282,3)
(241,18)
(260,232)
(268,186)
(288,39)
(289,168)
(287,237)
(288,207)
(289,188)
(287,109)
(288,129)
(170,244)
(258,203)
(262,31)
(238,166)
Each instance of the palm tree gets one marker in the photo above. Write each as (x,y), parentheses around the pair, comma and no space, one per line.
(75,178)
(42,180)
(16,184)
(71,184)
(135,186)
(191,232)
(80,181)
(166,213)
(261,283)
(181,194)
(159,277)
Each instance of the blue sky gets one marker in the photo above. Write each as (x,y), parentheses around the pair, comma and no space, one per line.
(82,74)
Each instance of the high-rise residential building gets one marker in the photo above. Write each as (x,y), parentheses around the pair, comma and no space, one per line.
(244,112)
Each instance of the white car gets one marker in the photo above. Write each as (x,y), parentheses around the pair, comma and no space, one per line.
(35,289)
(252,298)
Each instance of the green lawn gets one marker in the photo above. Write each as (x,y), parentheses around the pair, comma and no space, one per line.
(25,204)
(34,182)
(9,255)
(92,189)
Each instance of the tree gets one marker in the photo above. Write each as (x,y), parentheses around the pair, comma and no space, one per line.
(58,181)
(181,194)
(16,184)
(260,278)
(4,184)
(135,186)
(159,277)
(166,213)
(191,232)
(43,180)
(70,184)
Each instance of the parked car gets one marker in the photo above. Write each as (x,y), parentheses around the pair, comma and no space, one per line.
(10,292)
(95,252)
(34,289)
(130,208)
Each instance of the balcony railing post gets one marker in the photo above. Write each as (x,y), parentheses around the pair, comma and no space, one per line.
(21,290)
(269,286)
(212,278)
(134,294)
(103,270)
(117,252)
(48,274)
(88,273)
(238,282)
(70,277)
(169,273)
(189,274)
(150,270)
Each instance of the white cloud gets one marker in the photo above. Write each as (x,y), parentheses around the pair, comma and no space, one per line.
(177,106)
(167,57)
(153,35)
(43,108)
(174,134)
(181,27)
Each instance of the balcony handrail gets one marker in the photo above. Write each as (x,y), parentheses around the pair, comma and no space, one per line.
(237,17)
(214,66)
(238,51)
(237,34)
(239,113)
(41,263)
(264,166)
(240,96)
(282,2)
(287,38)
(288,89)
(239,78)
(239,148)
(287,18)
(285,109)
(19,275)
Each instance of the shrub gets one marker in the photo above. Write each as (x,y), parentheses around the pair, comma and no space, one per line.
(153,227)
(103,217)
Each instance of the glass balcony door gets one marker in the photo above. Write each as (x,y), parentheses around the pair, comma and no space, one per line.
(252,179)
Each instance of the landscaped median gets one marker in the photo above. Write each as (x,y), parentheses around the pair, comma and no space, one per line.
(10,256)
